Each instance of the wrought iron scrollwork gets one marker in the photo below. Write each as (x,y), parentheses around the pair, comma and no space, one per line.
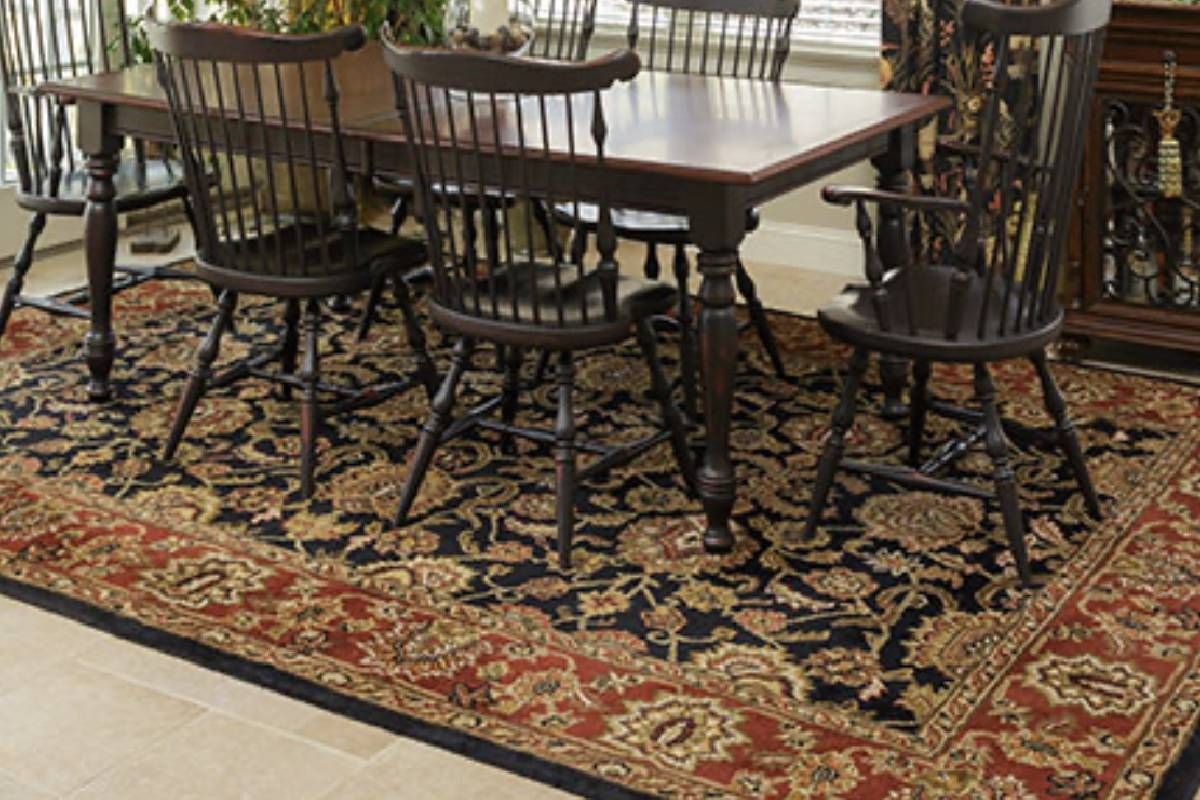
(1152,181)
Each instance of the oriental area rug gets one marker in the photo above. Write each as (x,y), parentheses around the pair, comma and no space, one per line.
(893,656)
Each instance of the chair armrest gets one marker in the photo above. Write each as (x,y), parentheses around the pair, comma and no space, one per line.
(845,195)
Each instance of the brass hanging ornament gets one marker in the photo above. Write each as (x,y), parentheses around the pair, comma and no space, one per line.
(1170,155)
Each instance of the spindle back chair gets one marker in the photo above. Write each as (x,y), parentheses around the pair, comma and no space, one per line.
(998,297)
(481,124)
(255,117)
(743,39)
(563,32)
(748,39)
(44,40)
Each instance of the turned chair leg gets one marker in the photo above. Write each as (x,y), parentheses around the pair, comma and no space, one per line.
(369,313)
(20,268)
(662,392)
(309,410)
(426,371)
(509,397)
(564,459)
(290,347)
(687,335)
(543,364)
(578,245)
(435,425)
(835,445)
(650,267)
(399,214)
(197,381)
(918,409)
(758,316)
(1002,472)
(1068,440)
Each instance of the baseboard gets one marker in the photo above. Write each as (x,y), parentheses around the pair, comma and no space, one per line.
(809,247)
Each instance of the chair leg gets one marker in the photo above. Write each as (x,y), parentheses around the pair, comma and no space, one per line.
(508,402)
(651,268)
(1002,472)
(1067,438)
(431,432)
(290,347)
(197,381)
(426,371)
(687,335)
(758,316)
(564,459)
(578,245)
(20,269)
(835,445)
(918,408)
(399,214)
(373,298)
(671,415)
(543,364)
(309,410)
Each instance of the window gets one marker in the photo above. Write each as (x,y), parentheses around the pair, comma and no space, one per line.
(828,22)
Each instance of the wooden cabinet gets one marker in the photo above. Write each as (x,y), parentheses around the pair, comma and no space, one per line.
(1135,248)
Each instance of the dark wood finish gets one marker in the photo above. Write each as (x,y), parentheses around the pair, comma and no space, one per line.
(715,38)
(280,224)
(801,133)
(1131,73)
(451,104)
(56,40)
(997,299)
(564,31)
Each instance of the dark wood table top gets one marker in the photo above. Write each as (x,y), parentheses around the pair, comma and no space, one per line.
(717,130)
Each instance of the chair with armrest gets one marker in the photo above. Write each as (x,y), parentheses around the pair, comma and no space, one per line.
(234,92)
(460,112)
(997,297)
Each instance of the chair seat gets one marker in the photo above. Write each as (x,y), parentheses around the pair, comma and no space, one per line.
(637,299)
(137,187)
(851,318)
(651,227)
(394,187)
(250,273)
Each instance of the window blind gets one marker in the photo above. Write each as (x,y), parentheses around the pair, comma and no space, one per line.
(849,22)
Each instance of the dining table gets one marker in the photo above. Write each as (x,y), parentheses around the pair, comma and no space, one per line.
(707,148)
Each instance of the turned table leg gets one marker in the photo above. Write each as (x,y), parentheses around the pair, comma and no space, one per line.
(718,352)
(100,240)
(893,167)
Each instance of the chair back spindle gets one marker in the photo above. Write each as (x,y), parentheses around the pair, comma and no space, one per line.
(564,29)
(482,126)
(726,38)
(256,119)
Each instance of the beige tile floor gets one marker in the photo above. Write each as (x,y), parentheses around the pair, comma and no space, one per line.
(85,715)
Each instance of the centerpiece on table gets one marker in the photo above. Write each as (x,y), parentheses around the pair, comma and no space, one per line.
(495,26)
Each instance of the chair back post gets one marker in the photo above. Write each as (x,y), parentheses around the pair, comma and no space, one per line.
(256,120)
(729,38)
(482,133)
(1023,153)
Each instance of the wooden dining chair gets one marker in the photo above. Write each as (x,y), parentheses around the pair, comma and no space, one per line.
(53,40)
(996,298)
(747,39)
(563,31)
(233,91)
(460,112)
